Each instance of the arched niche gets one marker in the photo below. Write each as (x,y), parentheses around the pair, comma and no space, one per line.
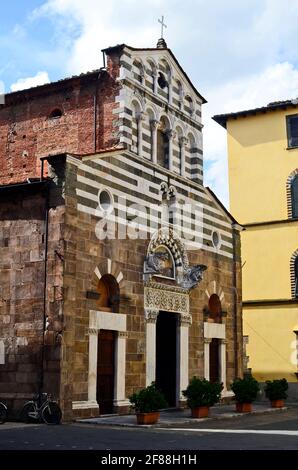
(167,262)
(109,294)
(215,308)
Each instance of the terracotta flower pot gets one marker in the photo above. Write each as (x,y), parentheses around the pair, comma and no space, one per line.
(277,403)
(200,412)
(243,407)
(148,418)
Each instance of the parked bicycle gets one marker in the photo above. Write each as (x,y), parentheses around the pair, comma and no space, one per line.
(3,413)
(41,408)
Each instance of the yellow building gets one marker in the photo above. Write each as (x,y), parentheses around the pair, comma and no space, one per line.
(263,180)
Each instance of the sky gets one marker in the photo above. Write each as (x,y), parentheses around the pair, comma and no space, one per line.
(239,54)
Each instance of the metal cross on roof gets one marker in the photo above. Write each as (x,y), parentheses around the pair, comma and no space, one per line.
(163,25)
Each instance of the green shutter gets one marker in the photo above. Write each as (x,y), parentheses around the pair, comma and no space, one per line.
(296,277)
(292,126)
(294,190)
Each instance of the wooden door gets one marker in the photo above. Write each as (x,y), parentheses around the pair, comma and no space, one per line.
(214,360)
(105,371)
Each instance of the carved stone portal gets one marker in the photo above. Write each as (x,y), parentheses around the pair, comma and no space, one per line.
(159,297)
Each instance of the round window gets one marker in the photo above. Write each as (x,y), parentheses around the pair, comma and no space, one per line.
(105,200)
(216,241)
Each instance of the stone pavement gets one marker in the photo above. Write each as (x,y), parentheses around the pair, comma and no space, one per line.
(173,417)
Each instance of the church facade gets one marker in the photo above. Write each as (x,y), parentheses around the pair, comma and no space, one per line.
(118,267)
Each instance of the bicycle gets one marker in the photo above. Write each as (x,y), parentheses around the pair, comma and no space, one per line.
(3,413)
(40,409)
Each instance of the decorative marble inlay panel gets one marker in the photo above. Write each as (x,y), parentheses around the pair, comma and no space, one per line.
(166,300)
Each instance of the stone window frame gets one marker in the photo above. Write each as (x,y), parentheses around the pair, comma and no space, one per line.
(289,136)
(294,275)
(289,182)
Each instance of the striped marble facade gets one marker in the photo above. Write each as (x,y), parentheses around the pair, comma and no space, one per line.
(143,103)
(136,188)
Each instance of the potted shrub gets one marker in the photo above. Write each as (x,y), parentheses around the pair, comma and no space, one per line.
(147,402)
(201,394)
(276,391)
(245,391)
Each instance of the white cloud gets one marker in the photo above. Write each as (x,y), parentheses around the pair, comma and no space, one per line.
(277,82)
(214,40)
(95,25)
(41,78)
(238,54)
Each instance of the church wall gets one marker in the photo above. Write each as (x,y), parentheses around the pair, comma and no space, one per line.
(86,255)
(22,290)
(27,132)
(78,253)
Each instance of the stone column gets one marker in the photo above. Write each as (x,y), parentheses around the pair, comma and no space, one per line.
(183,375)
(139,119)
(223,363)
(183,143)
(120,363)
(170,135)
(170,91)
(151,317)
(155,77)
(207,342)
(153,125)
(92,375)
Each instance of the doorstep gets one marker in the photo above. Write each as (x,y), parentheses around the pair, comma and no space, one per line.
(175,417)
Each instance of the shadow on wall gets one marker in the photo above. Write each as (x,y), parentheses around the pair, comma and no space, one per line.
(258,131)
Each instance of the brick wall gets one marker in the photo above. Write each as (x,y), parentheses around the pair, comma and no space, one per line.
(27,133)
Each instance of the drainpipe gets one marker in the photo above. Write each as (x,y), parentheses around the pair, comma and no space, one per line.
(41,379)
(235,301)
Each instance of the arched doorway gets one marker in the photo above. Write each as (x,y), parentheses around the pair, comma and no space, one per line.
(166,355)
(108,301)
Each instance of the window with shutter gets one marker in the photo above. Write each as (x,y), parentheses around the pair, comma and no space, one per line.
(294,191)
(296,277)
(292,129)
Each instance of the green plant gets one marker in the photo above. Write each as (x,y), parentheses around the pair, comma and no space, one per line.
(148,399)
(246,389)
(201,392)
(276,389)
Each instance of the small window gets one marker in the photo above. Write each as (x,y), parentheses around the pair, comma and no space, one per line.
(292,130)
(55,114)
(189,106)
(216,241)
(294,197)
